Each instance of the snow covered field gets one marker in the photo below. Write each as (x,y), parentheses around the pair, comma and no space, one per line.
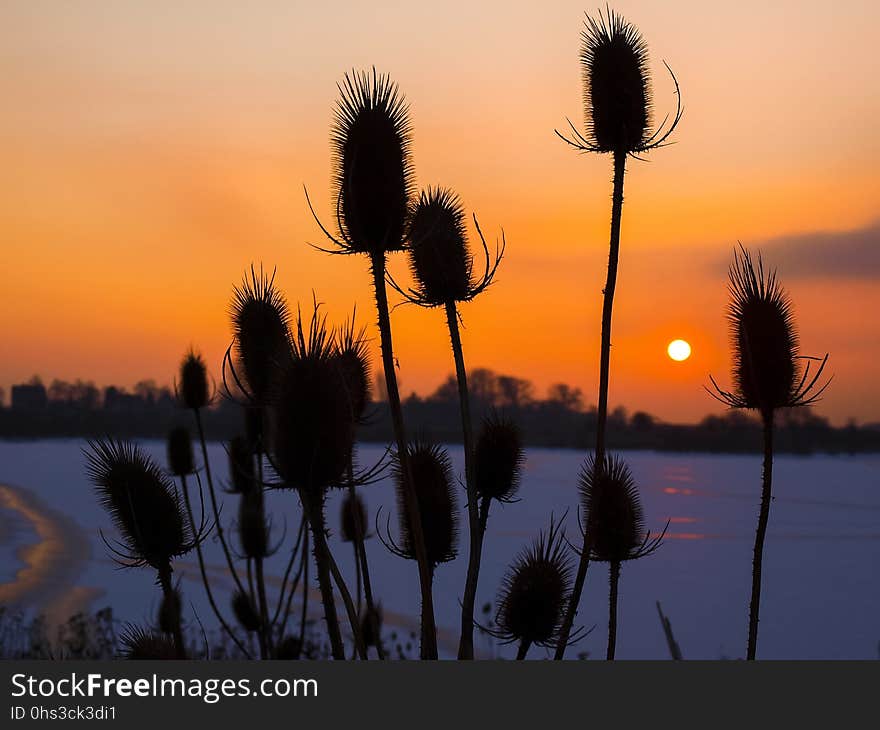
(821,596)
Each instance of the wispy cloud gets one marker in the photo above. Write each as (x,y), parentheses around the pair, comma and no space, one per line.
(853,254)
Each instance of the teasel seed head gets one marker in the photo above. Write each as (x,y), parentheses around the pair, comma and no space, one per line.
(617,91)
(767,371)
(372,166)
(180,452)
(433,484)
(138,643)
(311,428)
(143,502)
(353,361)
(498,458)
(261,327)
(246,612)
(253,532)
(438,250)
(241,466)
(353,518)
(169,611)
(535,591)
(193,388)
(614,520)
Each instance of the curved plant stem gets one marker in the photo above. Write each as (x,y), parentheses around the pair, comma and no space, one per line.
(353,618)
(305,603)
(294,584)
(763,517)
(523,649)
(217,523)
(265,626)
(466,644)
(224,625)
(284,591)
(168,592)
(613,580)
(429,630)
(604,373)
(371,607)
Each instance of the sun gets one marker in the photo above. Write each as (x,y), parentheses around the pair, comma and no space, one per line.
(679,350)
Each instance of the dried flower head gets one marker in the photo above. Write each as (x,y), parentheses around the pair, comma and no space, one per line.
(498,458)
(180,452)
(253,530)
(617,90)
(767,371)
(372,167)
(144,504)
(289,648)
(193,390)
(311,429)
(535,591)
(433,484)
(371,626)
(138,643)
(353,518)
(353,362)
(614,520)
(261,327)
(246,612)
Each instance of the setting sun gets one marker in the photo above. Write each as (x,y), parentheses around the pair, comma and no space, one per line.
(679,350)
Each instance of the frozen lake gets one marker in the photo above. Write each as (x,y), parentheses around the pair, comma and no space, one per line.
(821,595)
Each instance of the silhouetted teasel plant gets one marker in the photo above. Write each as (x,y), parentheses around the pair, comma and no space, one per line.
(614,525)
(443,270)
(768,374)
(139,644)
(181,464)
(618,120)
(373,181)
(310,437)
(146,510)
(433,480)
(534,593)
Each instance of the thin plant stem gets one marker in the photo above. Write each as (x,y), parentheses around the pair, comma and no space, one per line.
(168,593)
(284,581)
(210,594)
(294,584)
(428,627)
(466,643)
(613,580)
(763,517)
(604,373)
(218,524)
(353,618)
(305,603)
(368,597)
(523,649)
(265,627)
(315,516)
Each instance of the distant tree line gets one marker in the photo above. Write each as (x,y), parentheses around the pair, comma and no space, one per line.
(559,420)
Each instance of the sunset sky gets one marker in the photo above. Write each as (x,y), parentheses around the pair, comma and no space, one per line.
(152,150)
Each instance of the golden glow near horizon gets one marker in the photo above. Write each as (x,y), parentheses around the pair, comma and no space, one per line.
(153,151)
(679,350)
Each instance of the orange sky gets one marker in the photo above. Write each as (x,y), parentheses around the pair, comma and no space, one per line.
(150,153)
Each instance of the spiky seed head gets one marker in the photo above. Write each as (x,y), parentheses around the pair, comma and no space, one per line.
(371,626)
(353,362)
(138,643)
(534,592)
(615,523)
(310,416)
(432,479)
(142,501)
(261,326)
(353,518)
(246,612)
(253,532)
(169,612)
(289,648)
(438,250)
(180,452)
(241,465)
(194,392)
(763,336)
(498,458)
(617,93)
(372,168)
